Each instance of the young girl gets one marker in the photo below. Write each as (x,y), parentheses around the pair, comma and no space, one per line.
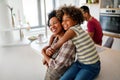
(87,65)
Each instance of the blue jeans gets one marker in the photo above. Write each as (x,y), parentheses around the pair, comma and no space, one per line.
(79,71)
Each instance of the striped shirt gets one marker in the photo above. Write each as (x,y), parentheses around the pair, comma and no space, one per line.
(85,48)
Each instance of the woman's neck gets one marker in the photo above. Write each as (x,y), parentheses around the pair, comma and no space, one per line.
(60,35)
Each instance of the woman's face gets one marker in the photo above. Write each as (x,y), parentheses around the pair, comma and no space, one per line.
(55,25)
(67,22)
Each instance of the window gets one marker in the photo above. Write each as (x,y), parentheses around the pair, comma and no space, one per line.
(36,11)
(30,12)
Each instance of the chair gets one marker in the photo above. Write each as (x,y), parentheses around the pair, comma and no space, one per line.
(109,42)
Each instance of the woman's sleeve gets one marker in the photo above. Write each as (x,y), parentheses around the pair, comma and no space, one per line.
(65,57)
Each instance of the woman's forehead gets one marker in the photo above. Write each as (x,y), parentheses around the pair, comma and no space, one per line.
(54,18)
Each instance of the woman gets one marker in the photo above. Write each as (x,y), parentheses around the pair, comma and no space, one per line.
(59,62)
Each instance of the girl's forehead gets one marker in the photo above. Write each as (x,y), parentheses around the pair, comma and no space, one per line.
(67,15)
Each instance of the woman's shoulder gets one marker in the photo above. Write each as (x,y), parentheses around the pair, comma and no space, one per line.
(68,43)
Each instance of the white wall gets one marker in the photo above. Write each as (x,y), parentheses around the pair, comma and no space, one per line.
(94,10)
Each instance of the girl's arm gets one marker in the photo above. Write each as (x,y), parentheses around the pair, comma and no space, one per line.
(69,34)
(65,57)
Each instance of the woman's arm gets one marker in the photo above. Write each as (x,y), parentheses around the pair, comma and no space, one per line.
(51,39)
(50,42)
(44,50)
(46,58)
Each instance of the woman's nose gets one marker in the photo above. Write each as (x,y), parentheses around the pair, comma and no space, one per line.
(52,26)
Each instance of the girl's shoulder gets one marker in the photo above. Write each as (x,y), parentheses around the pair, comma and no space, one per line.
(76,28)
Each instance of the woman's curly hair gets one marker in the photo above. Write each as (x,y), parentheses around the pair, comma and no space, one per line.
(51,15)
(74,12)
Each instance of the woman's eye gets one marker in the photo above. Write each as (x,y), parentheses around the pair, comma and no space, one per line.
(54,22)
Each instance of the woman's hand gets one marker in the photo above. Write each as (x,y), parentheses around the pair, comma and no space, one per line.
(50,51)
(45,47)
(45,62)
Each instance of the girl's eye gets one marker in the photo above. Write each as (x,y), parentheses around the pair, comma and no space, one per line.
(65,20)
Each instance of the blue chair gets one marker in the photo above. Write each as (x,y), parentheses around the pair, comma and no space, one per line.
(109,42)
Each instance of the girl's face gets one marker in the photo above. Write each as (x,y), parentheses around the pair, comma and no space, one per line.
(67,22)
(55,25)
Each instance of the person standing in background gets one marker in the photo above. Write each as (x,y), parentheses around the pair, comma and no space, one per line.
(93,26)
